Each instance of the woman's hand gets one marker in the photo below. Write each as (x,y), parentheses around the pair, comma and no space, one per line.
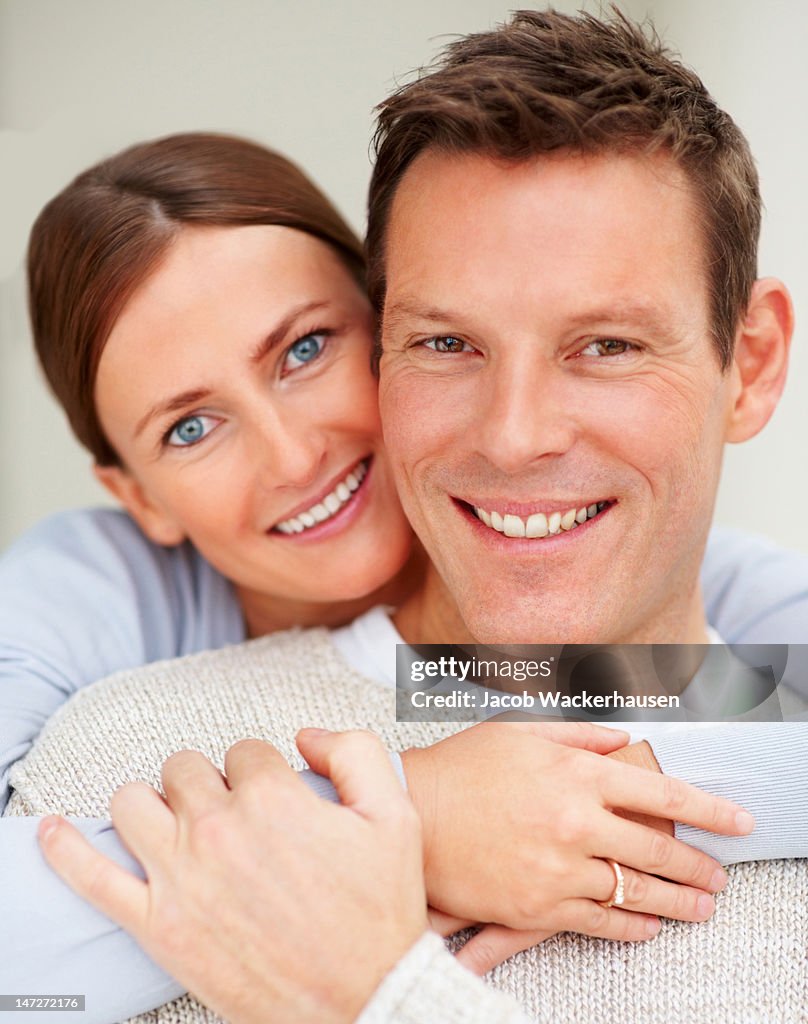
(264,900)
(517,826)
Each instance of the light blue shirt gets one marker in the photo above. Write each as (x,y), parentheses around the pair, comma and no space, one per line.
(84,595)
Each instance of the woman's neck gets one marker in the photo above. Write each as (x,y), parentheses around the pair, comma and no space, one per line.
(264,613)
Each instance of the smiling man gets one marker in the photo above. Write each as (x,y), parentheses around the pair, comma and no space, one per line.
(562,240)
(571,331)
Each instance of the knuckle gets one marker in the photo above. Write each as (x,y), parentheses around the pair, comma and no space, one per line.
(637,884)
(674,797)
(480,954)
(659,850)
(209,831)
(571,827)
(360,740)
(597,919)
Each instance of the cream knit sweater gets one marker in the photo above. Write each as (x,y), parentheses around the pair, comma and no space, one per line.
(748,964)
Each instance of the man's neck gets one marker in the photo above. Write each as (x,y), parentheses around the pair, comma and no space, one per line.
(431,616)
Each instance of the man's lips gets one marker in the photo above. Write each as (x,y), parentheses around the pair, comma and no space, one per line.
(327,502)
(536,523)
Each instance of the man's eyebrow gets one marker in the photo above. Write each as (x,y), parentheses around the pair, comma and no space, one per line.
(173,404)
(275,337)
(404,311)
(643,315)
(279,334)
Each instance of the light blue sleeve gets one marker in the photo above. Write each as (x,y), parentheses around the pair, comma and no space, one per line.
(761,765)
(83,595)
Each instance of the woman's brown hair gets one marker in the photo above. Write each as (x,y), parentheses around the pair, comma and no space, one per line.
(98,240)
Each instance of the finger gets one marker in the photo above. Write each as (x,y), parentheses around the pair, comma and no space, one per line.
(191,783)
(252,760)
(664,796)
(599,739)
(590,918)
(445,924)
(144,822)
(656,853)
(96,878)
(359,767)
(493,944)
(647,894)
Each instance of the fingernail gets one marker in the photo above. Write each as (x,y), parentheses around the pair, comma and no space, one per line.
(719,880)
(48,826)
(744,822)
(652,927)
(316,732)
(705,905)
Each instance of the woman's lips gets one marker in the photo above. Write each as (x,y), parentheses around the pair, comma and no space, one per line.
(332,510)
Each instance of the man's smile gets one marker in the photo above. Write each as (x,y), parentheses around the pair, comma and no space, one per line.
(540,524)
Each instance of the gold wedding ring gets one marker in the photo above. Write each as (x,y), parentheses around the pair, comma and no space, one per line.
(617,897)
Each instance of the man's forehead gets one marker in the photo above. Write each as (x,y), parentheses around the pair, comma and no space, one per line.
(609,236)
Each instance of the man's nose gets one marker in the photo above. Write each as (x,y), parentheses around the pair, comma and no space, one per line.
(525,414)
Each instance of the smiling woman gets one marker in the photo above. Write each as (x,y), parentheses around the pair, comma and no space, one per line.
(204,324)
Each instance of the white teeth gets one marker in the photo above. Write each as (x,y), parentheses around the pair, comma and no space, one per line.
(538,524)
(568,519)
(514,527)
(326,508)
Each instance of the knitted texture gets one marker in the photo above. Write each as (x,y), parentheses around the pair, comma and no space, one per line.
(746,965)
(428,978)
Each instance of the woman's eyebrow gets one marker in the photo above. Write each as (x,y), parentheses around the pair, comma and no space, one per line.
(173,404)
(279,334)
(275,337)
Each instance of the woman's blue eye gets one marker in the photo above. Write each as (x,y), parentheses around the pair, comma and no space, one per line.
(190,430)
(304,350)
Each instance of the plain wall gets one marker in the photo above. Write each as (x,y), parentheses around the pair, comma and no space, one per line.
(80,80)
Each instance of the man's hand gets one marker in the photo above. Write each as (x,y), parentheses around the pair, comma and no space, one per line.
(266,901)
(531,820)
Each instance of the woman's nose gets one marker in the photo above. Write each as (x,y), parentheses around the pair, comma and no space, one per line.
(287,453)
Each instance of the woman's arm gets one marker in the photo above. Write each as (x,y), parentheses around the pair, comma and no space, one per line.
(762,765)
(84,595)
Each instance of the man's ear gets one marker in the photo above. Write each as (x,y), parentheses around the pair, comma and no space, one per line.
(155,522)
(760,360)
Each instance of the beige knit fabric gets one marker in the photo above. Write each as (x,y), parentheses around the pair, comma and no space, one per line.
(746,965)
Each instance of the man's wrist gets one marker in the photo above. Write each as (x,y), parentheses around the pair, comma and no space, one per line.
(421,781)
(641,755)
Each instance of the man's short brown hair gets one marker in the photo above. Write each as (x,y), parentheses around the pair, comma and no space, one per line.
(548,82)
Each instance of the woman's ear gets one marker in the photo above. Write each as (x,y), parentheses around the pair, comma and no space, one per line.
(154,521)
(760,360)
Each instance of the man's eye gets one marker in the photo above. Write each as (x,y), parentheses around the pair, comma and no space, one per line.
(448,344)
(304,350)
(607,347)
(190,431)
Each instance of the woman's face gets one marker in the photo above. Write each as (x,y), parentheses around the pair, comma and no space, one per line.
(236,388)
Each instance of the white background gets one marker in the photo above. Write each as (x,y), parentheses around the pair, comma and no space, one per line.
(81,79)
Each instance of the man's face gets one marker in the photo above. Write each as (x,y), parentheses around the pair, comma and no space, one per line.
(547,356)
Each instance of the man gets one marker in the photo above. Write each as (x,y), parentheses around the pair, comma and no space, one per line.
(564,275)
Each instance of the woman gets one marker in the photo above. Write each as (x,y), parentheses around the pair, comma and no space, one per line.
(198,311)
